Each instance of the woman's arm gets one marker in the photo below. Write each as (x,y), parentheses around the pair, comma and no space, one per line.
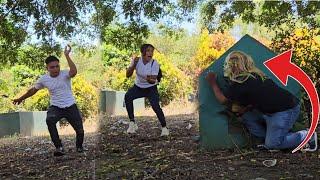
(132,67)
(211,78)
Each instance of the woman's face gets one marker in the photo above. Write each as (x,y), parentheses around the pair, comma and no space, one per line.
(234,67)
(149,53)
(231,66)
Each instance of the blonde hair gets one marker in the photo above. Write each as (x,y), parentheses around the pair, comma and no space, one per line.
(239,66)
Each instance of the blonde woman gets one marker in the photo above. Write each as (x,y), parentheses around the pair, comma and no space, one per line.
(269,112)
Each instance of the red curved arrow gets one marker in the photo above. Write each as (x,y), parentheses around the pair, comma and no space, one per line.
(282,67)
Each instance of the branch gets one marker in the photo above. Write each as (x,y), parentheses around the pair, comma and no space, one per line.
(12,9)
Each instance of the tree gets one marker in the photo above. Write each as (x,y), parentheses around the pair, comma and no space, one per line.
(47,19)
(176,43)
(306,54)
(221,15)
(268,13)
(126,37)
(210,48)
(52,19)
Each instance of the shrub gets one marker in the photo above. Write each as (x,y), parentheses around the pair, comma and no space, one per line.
(5,102)
(306,54)
(174,83)
(116,79)
(23,75)
(113,57)
(7,91)
(86,96)
(210,48)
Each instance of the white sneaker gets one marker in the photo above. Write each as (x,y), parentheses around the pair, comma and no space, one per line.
(133,127)
(164,131)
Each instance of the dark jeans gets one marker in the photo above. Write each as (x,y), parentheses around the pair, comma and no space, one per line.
(73,116)
(152,94)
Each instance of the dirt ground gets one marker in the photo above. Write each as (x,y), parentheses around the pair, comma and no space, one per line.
(32,158)
(113,154)
(147,156)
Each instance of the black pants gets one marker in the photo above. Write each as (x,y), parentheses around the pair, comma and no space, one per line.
(152,94)
(73,116)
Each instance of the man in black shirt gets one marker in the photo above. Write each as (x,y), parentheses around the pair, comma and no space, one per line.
(269,111)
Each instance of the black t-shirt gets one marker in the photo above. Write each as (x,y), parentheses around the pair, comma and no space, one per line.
(263,95)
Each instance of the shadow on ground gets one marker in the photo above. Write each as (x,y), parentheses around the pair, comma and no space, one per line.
(32,158)
(113,154)
(146,155)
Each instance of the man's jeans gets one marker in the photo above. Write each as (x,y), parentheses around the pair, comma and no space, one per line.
(152,94)
(72,115)
(275,128)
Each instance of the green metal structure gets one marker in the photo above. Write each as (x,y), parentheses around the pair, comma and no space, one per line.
(23,123)
(216,130)
(112,103)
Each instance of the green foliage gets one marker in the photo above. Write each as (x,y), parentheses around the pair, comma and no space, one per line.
(49,17)
(306,49)
(115,62)
(210,48)
(61,16)
(63,19)
(33,56)
(11,38)
(153,9)
(175,33)
(305,43)
(126,37)
(12,81)
(176,44)
(114,57)
(174,83)
(89,63)
(6,91)
(257,31)
(86,96)
(272,14)
(116,79)
(23,75)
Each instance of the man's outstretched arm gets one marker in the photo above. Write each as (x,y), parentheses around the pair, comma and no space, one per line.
(28,94)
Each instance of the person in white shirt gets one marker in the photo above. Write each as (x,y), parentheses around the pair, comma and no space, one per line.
(62,102)
(147,70)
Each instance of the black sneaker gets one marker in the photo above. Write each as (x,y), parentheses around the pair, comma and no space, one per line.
(312,145)
(81,149)
(59,152)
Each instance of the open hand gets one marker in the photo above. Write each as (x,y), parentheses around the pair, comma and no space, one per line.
(67,50)
(17,101)
(135,59)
